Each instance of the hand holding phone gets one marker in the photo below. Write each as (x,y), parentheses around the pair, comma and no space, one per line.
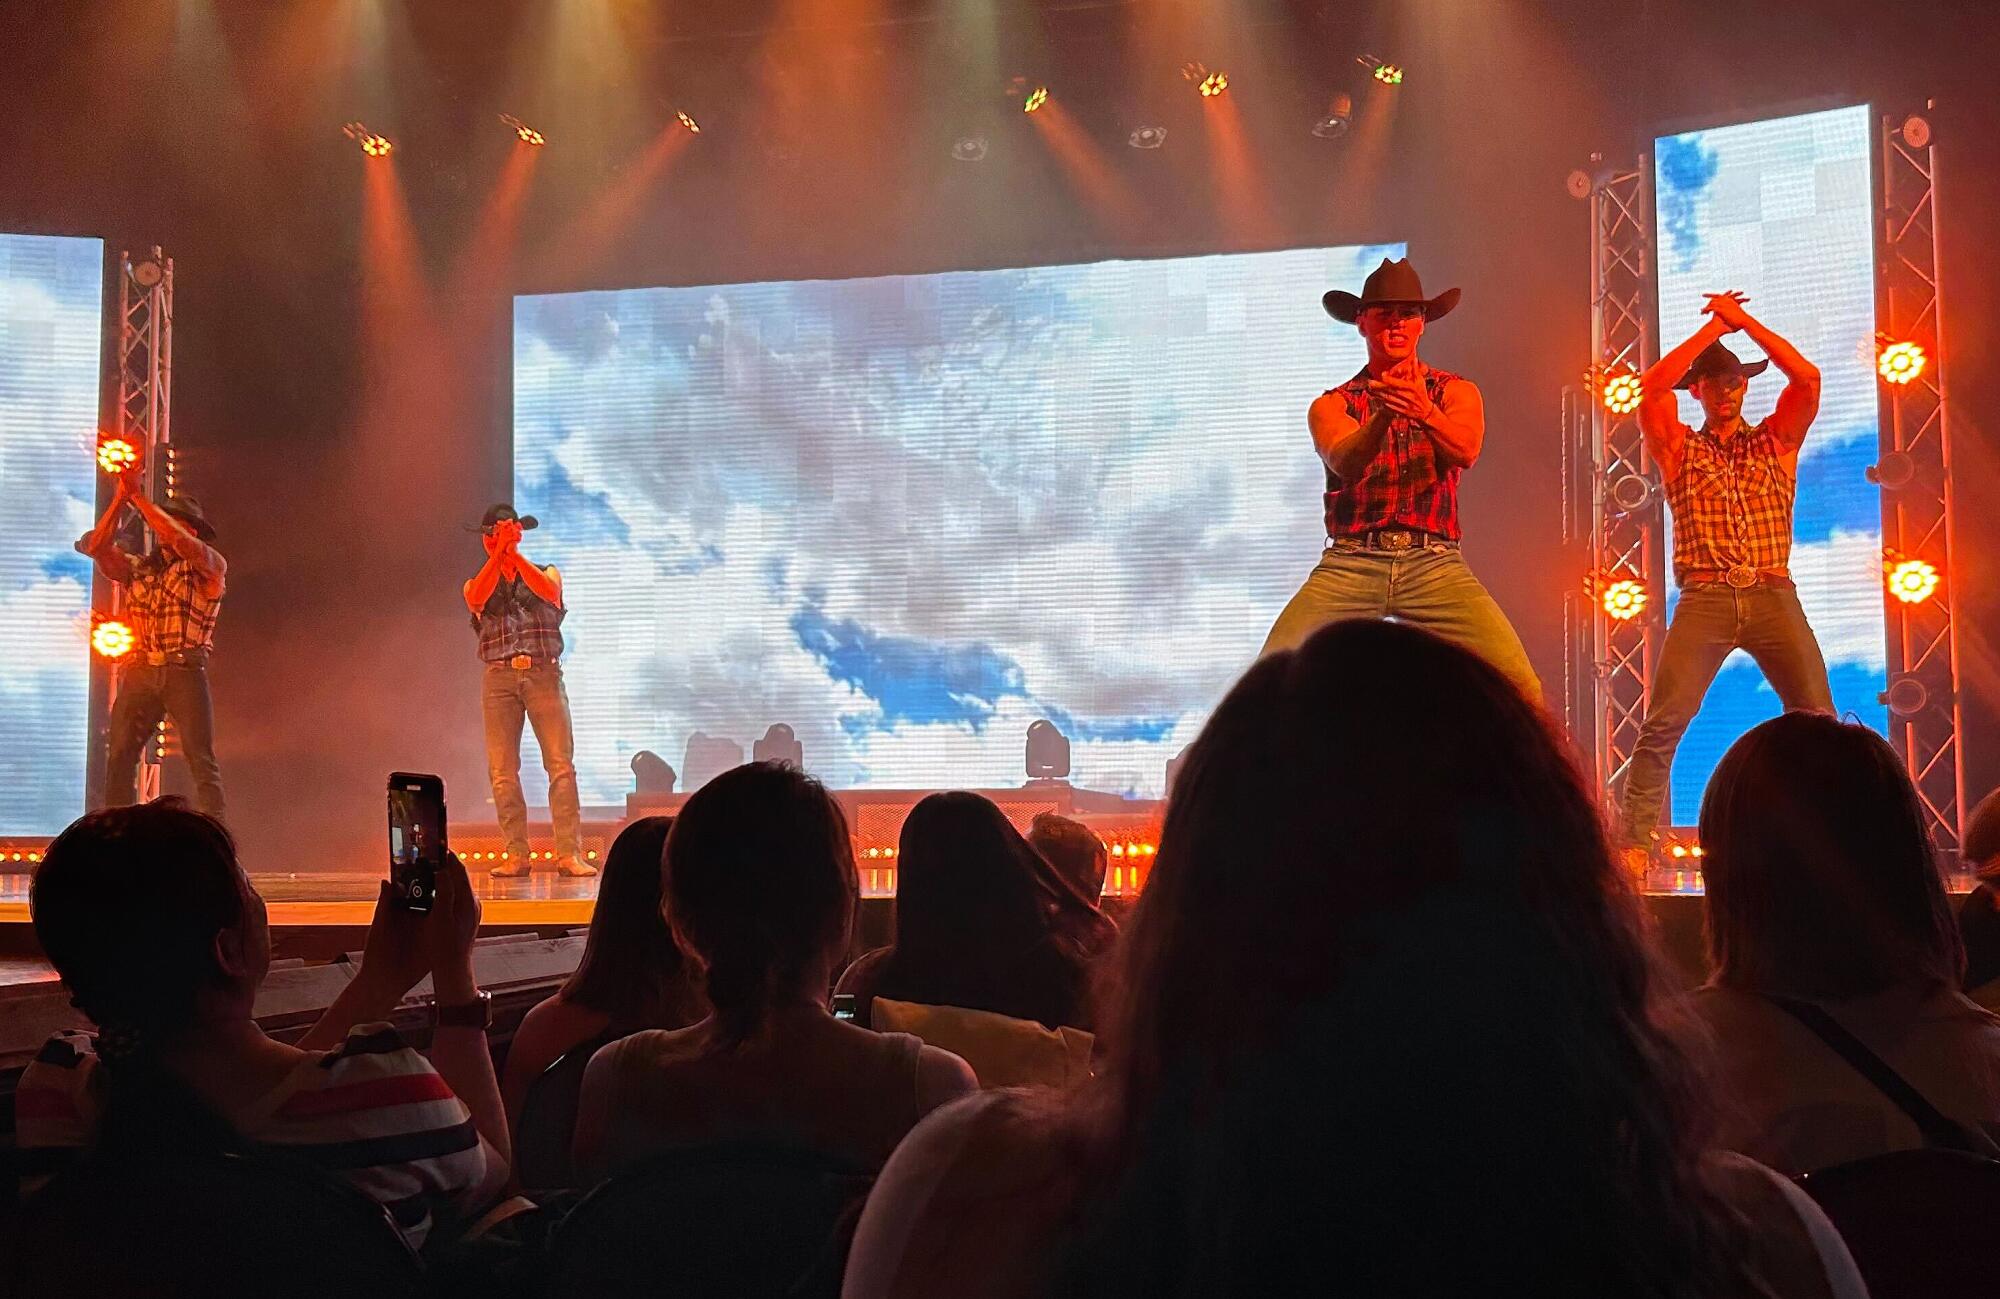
(416,838)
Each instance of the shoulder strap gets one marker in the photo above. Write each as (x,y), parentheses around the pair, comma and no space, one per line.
(1938,1130)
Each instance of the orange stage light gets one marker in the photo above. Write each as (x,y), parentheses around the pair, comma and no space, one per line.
(112,639)
(1036,98)
(525,133)
(693,127)
(1912,581)
(1621,393)
(115,455)
(1214,84)
(1901,363)
(1388,74)
(1624,599)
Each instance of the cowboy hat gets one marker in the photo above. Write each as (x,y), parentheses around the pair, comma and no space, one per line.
(1390,284)
(496,513)
(1716,360)
(188,510)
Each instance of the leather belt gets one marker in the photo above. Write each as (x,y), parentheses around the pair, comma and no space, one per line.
(187,658)
(1742,577)
(1394,539)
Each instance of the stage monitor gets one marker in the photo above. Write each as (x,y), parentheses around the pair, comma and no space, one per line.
(909,516)
(1784,211)
(51,335)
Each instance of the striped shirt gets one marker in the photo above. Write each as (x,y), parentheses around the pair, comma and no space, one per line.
(1732,502)
(517,621)
(373,1113)
(1405,485)
(171,600)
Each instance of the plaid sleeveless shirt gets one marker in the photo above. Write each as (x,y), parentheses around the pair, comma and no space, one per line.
(517,621)
(1732,502)
(1405,485)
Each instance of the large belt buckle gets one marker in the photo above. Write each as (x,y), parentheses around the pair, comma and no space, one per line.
(1397,538)
(156,658)
(1741,576)
(521,662)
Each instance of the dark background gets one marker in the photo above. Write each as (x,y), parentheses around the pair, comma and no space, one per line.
(342,395)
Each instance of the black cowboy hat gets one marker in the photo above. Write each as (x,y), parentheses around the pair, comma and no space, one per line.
(1390,284)
(495,513)
(1715,360)
(188,510)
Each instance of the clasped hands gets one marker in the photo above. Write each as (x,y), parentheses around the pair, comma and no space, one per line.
(1402,391)
(1728,308)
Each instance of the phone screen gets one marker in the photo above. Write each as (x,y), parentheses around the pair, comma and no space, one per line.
(416,838)
(843,1006)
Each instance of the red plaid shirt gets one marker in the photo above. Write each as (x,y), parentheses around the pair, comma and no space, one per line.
(1404,486)
(1732,502)
(173,604)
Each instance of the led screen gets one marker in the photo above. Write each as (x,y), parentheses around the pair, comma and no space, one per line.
(51,326)
(908,516)
(1783,210)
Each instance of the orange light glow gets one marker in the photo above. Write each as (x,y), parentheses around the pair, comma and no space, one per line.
(1912,581)
(112,639)
(1214,84)
(115,455)
(1036,98)
(1624,599)
(693,127)
(1901,363)
(1621,393)
(1388,74)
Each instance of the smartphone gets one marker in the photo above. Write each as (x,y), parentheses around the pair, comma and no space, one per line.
(843,1006)
(416,838)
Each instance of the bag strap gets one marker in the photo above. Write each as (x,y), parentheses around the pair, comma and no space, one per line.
(1939,1130)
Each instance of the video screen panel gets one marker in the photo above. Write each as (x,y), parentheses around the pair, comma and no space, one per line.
(909,515)
(51,334)
(1783,210)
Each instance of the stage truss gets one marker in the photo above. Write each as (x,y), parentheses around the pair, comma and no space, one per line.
(1915,475)
(1612,513)
(144,417)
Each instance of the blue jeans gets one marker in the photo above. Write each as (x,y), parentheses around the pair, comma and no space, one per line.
(1711,620)
(146,693)
(508,696)
(1430,587)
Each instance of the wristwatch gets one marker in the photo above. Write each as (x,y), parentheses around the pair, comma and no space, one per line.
(477,1013)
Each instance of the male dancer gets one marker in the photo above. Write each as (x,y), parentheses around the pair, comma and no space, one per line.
(517,609)
(173,594)
(1395,439)
(1731,489)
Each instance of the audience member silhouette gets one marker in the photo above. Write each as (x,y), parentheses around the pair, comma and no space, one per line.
(162,942)
(761,893)
(1385,1021)
(1822,889)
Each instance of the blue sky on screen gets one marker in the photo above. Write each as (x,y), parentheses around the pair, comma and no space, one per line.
(1783,210)
(51,329)
(909,515)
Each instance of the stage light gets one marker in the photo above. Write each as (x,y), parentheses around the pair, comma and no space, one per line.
(112,639)
(1389,74)
(1621,393)
(1624,599)
(1900,363)
(1208,82)
(1630,492)
(651,774)
(693,127)
(1147,137)
(1339,115)
(1048,752)
(969,148)
(1912,581)
(1894,472)
(115,455)
(526,133)
(1906,696)
(780,744)
(372,143)
(1036,98)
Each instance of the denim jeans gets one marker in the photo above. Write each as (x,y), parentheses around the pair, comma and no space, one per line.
(1711,620)
(508,696)
(1430,587)
(146,693)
